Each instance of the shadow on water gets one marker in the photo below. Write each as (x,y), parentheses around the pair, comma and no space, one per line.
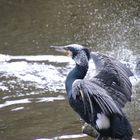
(33,103)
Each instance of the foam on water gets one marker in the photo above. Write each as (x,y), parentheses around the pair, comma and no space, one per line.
(45,76)
(50,58)
(72,136)
(29,100)
(50,99)
(13,102)
(17,108)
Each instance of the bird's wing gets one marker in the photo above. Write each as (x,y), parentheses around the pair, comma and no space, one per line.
(113,73)
(113,91)
(91,94)
(101,60)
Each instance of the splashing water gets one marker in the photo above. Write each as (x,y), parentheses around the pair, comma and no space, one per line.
(45,72)
(31,75)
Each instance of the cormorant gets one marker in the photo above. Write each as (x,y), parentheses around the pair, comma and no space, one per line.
(99,101)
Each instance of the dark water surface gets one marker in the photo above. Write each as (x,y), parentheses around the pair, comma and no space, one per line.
(33,103)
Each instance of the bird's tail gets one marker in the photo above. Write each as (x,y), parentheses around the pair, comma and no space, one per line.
(121,128)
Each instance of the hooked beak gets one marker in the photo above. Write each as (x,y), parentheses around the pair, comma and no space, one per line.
(59,48)
(63,49)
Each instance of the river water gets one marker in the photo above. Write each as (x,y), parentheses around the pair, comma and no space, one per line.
(33,103)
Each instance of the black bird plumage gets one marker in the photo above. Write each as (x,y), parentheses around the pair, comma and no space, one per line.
(113,76)
(99,101)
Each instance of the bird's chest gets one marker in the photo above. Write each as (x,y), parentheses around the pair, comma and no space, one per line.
(100,120)
(78,107)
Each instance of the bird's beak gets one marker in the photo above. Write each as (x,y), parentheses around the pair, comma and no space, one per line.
(62,49)
(59,48)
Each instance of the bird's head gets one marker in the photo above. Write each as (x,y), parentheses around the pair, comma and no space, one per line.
(80,54)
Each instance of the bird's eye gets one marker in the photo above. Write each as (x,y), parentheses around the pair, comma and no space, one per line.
(69,53)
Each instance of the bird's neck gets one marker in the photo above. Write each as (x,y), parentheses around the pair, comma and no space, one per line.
(78,72)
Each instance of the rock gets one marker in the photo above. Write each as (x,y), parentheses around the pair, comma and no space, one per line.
(89,130)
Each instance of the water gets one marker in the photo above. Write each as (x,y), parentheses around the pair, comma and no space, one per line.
(33,102)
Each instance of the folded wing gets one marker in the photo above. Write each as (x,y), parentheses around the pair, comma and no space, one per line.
(93,97)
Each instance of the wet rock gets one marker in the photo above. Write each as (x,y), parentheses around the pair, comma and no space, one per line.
(89,130)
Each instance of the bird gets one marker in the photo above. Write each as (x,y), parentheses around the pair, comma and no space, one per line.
(99,101)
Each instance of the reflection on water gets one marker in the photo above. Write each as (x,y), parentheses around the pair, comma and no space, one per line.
(33,103)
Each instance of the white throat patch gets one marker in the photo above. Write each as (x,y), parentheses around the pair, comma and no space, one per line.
(102,121)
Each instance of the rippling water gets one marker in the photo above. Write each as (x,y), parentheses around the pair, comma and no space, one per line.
(33,104)
(32,90)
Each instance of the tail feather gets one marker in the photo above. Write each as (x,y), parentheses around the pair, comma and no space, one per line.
(121,128)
